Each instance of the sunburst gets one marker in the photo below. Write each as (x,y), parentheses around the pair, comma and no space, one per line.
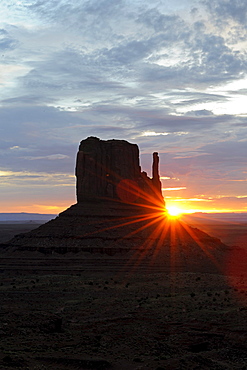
(174,212)
(166,234)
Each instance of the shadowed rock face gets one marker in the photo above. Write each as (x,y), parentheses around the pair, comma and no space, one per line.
(111,170)
(120,210)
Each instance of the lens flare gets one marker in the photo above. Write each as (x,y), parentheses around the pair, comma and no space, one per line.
(174,212)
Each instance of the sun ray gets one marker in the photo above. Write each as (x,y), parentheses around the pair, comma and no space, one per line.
(206,251)
(166,236)
(148,243)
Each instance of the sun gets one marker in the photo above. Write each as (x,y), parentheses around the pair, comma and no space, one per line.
(174,212)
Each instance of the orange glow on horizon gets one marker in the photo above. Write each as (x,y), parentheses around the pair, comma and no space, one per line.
(174,212)
(50,207)
(197,205)
(36,208)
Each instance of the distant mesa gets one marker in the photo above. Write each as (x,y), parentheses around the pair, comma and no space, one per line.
(26,217)
(119,211)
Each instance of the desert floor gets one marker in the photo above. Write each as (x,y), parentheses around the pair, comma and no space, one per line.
(60,312)
(233,234)
(98,312)
(8,230)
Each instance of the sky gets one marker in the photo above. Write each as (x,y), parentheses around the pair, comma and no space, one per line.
(169,76)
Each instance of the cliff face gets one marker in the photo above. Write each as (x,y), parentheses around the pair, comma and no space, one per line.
(120,210)
(111,169)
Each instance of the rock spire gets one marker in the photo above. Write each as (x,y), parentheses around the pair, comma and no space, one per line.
(110,169)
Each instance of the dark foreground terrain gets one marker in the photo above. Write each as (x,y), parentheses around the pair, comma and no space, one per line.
(230,233)
(233,234)
(86,311)
(9,229)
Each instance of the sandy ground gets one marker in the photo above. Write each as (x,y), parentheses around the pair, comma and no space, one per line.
(71,312)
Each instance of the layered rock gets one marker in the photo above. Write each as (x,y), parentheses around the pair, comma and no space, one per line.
(111,170)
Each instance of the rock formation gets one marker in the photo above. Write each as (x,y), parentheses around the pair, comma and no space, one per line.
(111,170)
(119,210)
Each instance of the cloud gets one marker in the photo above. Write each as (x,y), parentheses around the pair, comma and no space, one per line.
(57,10)
(157,21)
(153,133)
(27,100)
(51,157)
(6,41)
(225,9)
(40,133)
(202,112)
(229,152)
(221,163)
(209,61)
(22,178)
(172,189)
(139,52)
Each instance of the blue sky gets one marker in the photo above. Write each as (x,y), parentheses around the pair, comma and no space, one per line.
(169,76)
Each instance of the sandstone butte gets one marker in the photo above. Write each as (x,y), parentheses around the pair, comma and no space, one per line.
(120,211)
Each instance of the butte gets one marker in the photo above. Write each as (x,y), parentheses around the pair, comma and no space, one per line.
(120,218)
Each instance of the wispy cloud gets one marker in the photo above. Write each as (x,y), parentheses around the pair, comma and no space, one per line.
(172,189)
(51,157)
(22,178)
